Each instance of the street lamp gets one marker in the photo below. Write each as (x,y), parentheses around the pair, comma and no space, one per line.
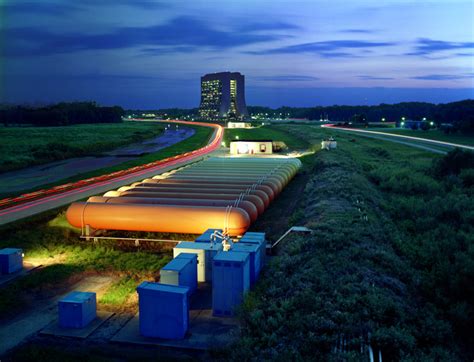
(424,118)
(403,118)
(383,119)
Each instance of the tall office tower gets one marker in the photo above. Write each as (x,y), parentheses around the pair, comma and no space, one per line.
(223,96)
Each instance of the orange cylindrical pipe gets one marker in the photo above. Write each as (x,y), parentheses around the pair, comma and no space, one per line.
(283,178)
(257,199)
(285,168)
(263,195)
(218,178)
(294,163)
(191,186)
(287,171)
(276,186)
(158,218)
(252,170)
(239,177)
(248,206)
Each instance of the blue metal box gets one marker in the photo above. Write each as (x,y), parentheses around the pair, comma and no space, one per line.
(254,238)
(77,309)
(230,281)
(254,254)
(255,234)
(11,260)
(164,310)
(205,253)
(206,236)
(181,271)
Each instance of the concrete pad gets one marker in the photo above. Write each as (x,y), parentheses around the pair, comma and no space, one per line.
(6,278)
(55,330)
(205,331)
(29,322)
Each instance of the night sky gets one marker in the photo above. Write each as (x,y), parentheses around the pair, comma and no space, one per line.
(151,54)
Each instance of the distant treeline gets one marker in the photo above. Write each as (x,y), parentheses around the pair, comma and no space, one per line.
(459,114)
(61,114)
(172,113)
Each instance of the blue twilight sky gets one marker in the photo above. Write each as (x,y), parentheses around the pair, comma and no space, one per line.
(151,53)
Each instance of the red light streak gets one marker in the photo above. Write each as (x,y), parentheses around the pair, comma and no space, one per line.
(63,191)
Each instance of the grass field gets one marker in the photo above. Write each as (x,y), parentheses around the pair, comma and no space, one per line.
(26,146)
(434,135)
(197,140)
(389,263)
(273,133)
(49,240)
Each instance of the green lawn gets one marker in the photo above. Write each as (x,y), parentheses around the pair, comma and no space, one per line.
(274,133)
(199,139)
(26,146)
(119,292)
(434,135)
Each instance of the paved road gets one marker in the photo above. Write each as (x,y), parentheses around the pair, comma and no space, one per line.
(51,202)
(416,142)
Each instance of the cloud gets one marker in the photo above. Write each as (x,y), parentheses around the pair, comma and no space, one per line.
(60,8)
(338,55)
(185,32)
(331,48)
(43,8)
(443,76)
(358,31)
(371,77)
(271,25)
(141,4)
(287,78)
(426,46)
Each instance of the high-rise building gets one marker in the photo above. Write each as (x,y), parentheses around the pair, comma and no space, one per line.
(223,96)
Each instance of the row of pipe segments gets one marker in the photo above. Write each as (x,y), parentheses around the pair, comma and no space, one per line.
(216,193)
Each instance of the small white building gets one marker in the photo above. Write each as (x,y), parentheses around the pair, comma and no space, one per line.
(251,147)
(239,125)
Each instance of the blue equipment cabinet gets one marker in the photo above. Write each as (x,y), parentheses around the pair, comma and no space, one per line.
(254,261)
(206,236)
(182,270)
(11,260)
(230,281)
(256,238)
(164,310)
(77,309)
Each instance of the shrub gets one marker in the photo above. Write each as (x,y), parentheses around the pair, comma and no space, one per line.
(453,163)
